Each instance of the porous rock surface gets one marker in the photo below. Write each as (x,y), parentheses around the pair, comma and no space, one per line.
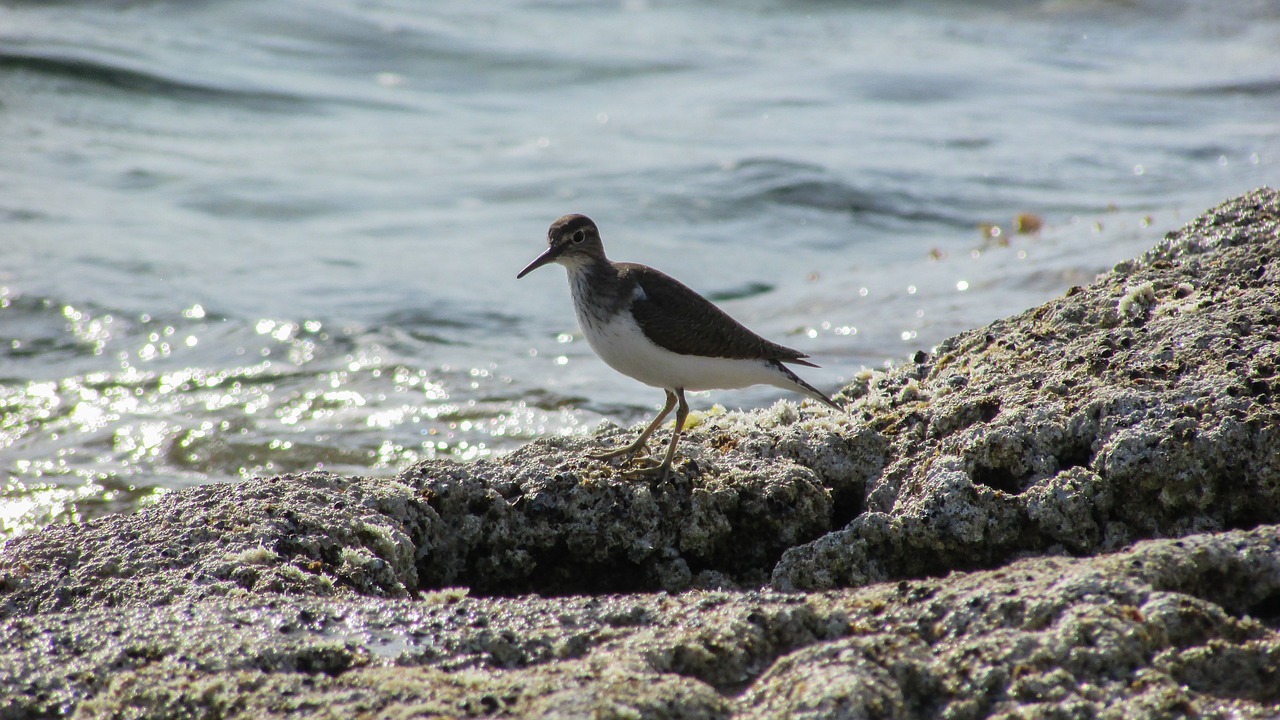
(910,558)
(1142,406)
(1171,628)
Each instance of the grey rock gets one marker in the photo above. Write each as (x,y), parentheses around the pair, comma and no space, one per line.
(1141,406)
(907,559)
(311,534)
(1170,628)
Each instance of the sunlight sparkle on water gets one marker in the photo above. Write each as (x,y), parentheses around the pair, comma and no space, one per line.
(179,406)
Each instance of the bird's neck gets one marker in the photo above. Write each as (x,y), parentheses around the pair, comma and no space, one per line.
(597,288)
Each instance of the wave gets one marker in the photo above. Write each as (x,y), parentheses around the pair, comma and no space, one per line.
(789,183)
(1262,87)
(111,74)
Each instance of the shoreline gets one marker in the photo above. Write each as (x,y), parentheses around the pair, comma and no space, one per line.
(1070,512)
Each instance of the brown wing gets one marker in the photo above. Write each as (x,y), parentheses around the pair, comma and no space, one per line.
(684,322)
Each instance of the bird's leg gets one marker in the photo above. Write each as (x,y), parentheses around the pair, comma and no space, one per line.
(661,469)
(639,444)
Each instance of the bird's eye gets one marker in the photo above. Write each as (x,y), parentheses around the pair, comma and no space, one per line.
(579,236)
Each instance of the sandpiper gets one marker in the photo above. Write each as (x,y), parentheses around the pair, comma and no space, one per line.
(651,327)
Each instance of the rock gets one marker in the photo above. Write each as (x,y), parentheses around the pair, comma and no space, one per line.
(909,558)
(1169,628)
(1141,406)
(310,534)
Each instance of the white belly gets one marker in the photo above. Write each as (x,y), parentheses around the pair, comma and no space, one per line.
(621,344)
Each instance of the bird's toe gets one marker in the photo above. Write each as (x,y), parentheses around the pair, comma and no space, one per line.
(608,455)
(630,451)
(647,468)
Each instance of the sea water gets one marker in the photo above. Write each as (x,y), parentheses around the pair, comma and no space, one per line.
(245,238)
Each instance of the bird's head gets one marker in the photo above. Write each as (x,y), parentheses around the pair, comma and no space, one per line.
(572,241)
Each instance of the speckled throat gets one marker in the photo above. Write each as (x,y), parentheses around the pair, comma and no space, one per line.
(598,292)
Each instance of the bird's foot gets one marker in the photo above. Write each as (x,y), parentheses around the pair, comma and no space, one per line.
(637,451)
(647,467)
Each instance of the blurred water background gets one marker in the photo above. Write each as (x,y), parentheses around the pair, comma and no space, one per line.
(242,238)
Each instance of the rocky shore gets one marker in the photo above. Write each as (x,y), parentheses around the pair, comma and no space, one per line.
(1070,513)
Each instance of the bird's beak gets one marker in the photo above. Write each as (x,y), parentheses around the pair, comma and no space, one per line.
(544,259)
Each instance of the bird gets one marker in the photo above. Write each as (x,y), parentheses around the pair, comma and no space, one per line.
(649,326)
